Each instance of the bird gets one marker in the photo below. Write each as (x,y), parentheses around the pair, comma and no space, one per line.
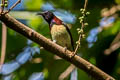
(59,30)
(60,33)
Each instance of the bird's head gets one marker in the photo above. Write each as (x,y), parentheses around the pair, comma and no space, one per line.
(47,15)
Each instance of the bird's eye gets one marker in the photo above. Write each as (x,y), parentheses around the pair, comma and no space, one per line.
(45,13)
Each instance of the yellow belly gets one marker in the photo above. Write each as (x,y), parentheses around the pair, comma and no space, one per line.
(61,36)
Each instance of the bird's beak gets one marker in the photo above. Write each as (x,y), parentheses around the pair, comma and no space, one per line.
(40,13)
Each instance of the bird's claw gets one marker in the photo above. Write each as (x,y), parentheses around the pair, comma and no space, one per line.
(72,55)
(65,49)
(54,41)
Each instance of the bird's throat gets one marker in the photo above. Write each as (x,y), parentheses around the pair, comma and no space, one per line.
(56,20)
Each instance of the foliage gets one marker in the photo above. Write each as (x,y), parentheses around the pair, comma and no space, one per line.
(52,68)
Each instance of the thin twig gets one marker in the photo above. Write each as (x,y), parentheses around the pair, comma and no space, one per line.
(13,6)
(3,45)
(112,48)
(85,5)
(2,6)
(117,38)
(66,72)
(82,26)
(114,45)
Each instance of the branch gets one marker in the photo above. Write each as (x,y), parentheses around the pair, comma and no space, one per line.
(117,38)
(112,48)
(3,44)
(114,45)
(82,21)
(66,72)
(2,5)
(13,6)
(54,48)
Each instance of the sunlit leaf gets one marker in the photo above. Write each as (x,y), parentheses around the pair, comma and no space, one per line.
(33,4)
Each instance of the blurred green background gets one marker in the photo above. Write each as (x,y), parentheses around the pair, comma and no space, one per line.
(103,21)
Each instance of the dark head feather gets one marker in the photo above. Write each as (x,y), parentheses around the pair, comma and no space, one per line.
(47,15)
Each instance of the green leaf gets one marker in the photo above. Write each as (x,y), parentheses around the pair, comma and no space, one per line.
(33,4)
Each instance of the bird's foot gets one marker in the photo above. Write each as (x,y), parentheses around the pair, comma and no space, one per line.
(72,55)
(65,49)
(54,41)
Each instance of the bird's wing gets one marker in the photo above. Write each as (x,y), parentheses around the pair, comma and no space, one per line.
(72,43)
